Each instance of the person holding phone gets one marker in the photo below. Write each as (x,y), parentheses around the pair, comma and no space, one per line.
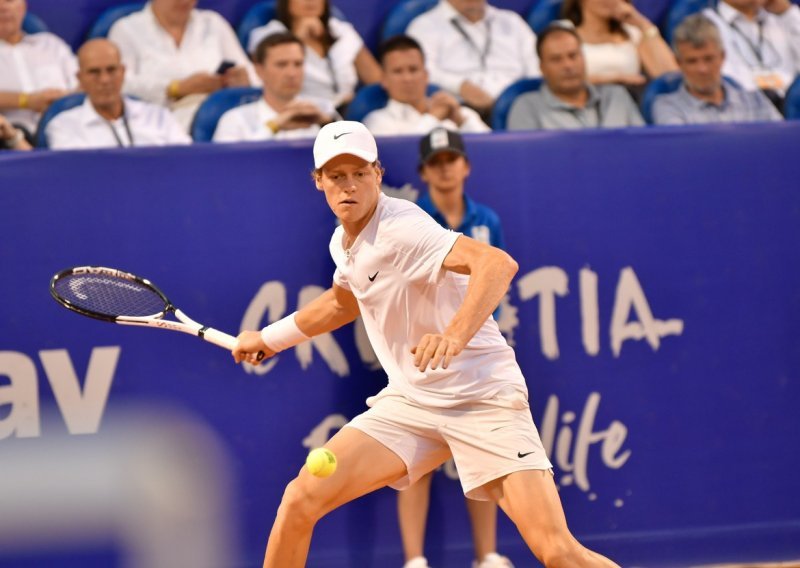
(280,114)
(176,55)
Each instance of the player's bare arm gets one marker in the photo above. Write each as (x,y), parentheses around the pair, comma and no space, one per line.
(331,310)
(490,270)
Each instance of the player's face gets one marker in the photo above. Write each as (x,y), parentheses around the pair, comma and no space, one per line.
(12,13)
(562,64)
(101,74)
(701,66)
(445,172)
(404,76)
(351,187)
(282,70)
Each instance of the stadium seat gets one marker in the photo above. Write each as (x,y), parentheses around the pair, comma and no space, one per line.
(401,15)
(33,24)
(372,97)
(678,11)
(109,16)
(502,105)
(542,13)
(208,115)
(791,106)
(259,14)
(58,106)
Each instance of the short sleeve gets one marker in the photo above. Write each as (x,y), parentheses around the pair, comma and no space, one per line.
(421,243)
(340,280)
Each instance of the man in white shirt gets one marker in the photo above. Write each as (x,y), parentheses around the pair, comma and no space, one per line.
(106,119)
(279,114)
(425,295)
(35,69)
(410,110)
(475,50)
(761,39)
(175,55)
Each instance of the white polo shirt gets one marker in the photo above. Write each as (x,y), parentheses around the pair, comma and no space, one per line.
(396,119)
(147,125)
(153,60)
(248,123)
(492,53)
(394,270)
(39,61)
(333,77)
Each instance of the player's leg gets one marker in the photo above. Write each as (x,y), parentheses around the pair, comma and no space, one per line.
(412,516)
(483,518)
(364,465)
(531,501)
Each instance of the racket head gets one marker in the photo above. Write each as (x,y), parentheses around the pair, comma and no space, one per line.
(107,293)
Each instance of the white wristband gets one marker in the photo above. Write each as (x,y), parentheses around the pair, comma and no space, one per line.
(283,334)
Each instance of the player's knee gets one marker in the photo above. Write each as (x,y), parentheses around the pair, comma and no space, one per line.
(562,553)
(299,505)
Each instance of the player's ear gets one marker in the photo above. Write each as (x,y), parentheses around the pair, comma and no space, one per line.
(317,175)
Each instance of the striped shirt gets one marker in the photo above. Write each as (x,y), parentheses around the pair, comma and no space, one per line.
(738,105)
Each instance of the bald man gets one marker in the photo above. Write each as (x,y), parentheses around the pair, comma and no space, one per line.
(107,119)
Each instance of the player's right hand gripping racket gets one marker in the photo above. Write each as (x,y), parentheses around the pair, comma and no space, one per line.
(120,297)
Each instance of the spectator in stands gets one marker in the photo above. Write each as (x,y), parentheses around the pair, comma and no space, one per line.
(566,99)
(475,50)
(106,119)
(703,96)
(619,42)
(11,138)
(280,114)
(410,110)
(35,69)
(176,55)
(761,39)
(444,167)
(336,57)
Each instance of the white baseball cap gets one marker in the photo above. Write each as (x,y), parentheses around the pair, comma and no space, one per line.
(344,137)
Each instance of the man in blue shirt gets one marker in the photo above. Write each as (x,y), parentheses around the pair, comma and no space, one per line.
(444,167)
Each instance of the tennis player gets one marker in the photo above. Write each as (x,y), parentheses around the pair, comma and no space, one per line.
(425,295)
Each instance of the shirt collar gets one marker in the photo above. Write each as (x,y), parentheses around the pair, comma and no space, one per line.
(470,211)
(90,115)
(553,101)
(401,110)
(700,104)
(450,12)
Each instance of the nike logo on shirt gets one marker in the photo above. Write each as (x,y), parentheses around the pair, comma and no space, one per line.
(372,278)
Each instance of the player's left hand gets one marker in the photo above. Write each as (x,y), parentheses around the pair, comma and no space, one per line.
(435,348)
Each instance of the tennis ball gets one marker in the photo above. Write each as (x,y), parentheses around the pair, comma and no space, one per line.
(321,462)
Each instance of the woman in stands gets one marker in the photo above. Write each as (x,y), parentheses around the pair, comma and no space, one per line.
(336,57)
(176,55)
(620,45)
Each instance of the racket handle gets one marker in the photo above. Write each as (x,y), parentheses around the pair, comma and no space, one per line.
(218,338)
(222,339)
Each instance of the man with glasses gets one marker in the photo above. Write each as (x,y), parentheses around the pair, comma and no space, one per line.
(106,119)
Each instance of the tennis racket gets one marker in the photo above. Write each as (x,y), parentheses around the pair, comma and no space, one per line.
(120,297)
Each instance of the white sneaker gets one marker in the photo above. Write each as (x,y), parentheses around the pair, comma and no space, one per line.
(418,562)
(493,560)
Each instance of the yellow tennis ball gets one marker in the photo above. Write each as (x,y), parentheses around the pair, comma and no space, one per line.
(321,462)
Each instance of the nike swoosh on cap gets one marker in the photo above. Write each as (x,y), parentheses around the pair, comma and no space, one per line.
(337,136)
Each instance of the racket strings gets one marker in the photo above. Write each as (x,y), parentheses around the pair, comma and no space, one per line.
(110,296)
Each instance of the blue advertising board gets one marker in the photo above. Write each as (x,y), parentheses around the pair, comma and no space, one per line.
(655,316)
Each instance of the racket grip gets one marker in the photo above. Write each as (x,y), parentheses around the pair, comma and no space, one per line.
(218,338)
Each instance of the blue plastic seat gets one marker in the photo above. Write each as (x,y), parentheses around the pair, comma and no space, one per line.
(33,24)
(502,106)
(680,9)
(259,14)
(791,105)
(542,13)
(58,106)
(216,104)
(373,97)
(400,16)
(109,16)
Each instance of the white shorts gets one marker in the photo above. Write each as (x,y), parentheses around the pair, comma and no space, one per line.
(487,440)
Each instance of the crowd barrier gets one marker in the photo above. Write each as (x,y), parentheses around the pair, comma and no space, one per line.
(655,316)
